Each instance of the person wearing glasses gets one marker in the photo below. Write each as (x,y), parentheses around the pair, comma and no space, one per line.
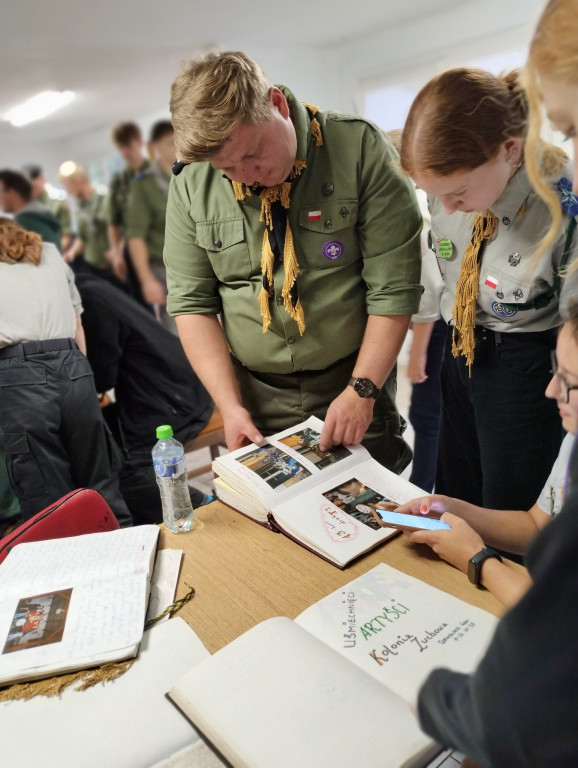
(474,527)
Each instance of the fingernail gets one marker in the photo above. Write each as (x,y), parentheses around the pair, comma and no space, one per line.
(423,509)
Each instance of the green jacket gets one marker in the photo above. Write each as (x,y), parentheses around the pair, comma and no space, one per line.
(60,209)
(362,256)
(146,210)
(38,218)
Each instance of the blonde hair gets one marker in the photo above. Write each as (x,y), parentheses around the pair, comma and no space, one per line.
(211,97)
(71,170)
(553,52)
(17,245)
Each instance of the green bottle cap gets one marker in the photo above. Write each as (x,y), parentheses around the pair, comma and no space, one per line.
(164,432)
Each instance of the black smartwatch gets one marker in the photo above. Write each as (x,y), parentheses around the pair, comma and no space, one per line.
(475,565)
(364,387)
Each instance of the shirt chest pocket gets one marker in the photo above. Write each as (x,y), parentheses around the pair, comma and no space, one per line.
(328,235)
(226,247)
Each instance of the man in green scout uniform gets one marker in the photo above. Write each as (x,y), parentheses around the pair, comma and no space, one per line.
(92,207)
(16,198)
(58,207)
(296,227)
(127,138)
(145,220)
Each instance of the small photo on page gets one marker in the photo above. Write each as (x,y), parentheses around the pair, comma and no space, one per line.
(306,442)
(358,500)
(38,620)
(276,468)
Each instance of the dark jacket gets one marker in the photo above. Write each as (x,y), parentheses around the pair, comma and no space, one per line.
(36,217)
(520,707)
(131,352)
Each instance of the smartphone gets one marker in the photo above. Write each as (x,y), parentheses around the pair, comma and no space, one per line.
(398,520)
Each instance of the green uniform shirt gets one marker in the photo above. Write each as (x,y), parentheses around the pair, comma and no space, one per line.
(60,209)
(509,273)
(92,229)
(360,256)
(118,195)
(146,212)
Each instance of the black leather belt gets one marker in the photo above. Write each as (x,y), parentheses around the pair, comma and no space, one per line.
(498,337)
(36,347)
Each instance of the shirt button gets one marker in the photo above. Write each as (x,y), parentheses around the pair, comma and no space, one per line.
(291,340)
(328,224)
(280,300)
(506,221)
(218,244)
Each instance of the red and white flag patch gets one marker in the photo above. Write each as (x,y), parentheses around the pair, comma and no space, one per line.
(491,281)
(314,215)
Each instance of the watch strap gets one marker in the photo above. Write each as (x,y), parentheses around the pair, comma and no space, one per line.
(475,565)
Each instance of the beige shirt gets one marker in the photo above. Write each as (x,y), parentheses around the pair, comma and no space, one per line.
(508,273)
(38,303)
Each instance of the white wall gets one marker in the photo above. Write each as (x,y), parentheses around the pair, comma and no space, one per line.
(339,77)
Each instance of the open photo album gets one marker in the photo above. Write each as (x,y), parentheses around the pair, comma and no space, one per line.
(323,500)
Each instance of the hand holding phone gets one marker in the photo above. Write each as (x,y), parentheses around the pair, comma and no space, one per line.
(398,520)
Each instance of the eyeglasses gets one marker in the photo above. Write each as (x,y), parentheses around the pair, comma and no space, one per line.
(563,385)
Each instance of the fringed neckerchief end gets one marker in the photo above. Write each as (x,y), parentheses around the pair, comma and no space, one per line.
(467,288)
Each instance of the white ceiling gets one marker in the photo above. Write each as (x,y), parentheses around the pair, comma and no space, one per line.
(120,56)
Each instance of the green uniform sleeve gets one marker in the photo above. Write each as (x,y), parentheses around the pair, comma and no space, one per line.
(192,284)
(389,230)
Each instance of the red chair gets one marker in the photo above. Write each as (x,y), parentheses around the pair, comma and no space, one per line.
(80,511)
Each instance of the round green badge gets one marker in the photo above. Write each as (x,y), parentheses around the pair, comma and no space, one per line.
(445,248)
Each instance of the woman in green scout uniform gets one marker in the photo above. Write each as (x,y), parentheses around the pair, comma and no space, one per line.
(463,144)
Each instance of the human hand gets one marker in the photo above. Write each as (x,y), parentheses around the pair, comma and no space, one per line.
(456,546)
(346,420)
(416,366)
(116,259)
(153,291)
(69,256)
(432,506)
(239,429)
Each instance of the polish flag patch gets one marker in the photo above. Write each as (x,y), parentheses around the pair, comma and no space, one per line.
(491,281)
(314,215)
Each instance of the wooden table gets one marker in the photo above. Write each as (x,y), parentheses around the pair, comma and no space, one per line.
(244,573)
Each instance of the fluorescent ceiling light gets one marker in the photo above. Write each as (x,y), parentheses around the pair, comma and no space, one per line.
(39,106)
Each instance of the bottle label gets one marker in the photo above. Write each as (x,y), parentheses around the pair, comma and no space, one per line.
(168,467)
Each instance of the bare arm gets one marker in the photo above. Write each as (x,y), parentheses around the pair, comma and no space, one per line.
(206,348)
(349,415)
(79,337)
(114,254)
(153,291)
(72,252)
(508,529)
(457,546)
(418,352)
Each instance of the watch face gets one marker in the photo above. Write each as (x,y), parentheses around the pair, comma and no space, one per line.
(364,387)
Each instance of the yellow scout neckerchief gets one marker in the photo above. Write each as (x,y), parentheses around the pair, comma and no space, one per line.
(464,311)
(280,192)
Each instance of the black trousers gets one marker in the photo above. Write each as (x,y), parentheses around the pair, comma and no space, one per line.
(55,438)
(499,434)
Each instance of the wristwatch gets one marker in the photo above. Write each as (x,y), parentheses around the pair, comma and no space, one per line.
(475,565)
(364,387)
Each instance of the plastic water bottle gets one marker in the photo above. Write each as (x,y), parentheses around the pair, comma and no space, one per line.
(171,474)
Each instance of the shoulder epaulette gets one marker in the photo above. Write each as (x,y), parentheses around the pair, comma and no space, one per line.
(568,200)
(178,166)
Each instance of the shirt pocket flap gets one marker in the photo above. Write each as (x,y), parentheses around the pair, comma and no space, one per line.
(218,235)
(330,217)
